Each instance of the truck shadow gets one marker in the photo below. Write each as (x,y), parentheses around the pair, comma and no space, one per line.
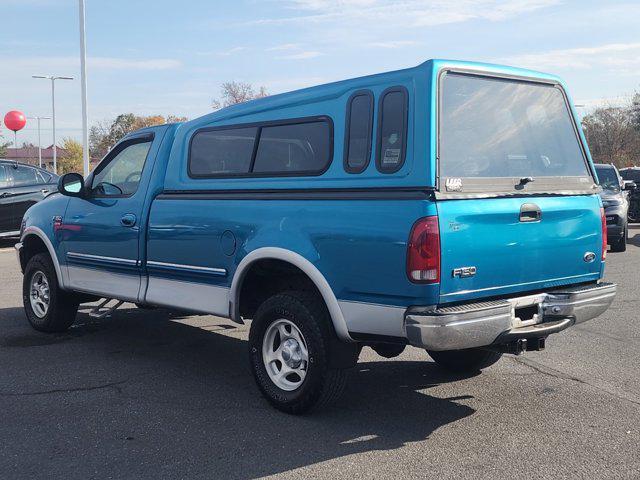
(168,399)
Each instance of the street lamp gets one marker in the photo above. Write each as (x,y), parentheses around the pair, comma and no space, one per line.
(83,84)
(53,79)
(39,143)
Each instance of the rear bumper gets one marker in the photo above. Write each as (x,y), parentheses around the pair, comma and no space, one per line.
(496,322)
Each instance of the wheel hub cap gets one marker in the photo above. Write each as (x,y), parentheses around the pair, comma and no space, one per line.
(40,294)
(285,354)
(291,353)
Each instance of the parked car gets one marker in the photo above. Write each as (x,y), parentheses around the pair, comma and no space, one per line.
(20,187)
(615,200)
(451,206)
(633,174)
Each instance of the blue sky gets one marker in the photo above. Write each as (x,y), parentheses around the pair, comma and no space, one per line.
(161,56)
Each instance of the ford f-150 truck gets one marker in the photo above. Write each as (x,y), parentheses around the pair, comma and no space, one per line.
(452,206)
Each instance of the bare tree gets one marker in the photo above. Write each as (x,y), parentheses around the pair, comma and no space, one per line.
(104,135)
(611,135)
(232,93)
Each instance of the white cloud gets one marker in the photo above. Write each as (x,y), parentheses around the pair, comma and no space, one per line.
(404,13)
(122,63)
(617,58)
(393,44)
(301,55)
(231,51)
(284,47)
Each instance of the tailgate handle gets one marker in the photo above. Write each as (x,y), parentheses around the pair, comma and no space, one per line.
(530,212)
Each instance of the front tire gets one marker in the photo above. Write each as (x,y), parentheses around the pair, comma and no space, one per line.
(48,308)
(465,361)
(289,345)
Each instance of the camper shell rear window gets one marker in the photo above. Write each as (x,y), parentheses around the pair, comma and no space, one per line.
(499,134)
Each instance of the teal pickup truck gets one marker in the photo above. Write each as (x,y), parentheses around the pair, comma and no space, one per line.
(452,207)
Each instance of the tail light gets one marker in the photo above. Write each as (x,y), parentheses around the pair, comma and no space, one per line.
(423,251)
(603,220)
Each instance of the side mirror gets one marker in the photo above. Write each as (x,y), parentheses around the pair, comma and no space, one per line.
(629,185)
(71,184)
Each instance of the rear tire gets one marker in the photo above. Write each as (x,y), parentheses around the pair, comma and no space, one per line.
(465,361)
(620,245)
(301,320)
(48,308)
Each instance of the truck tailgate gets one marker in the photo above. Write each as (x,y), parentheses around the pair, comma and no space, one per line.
(489,250)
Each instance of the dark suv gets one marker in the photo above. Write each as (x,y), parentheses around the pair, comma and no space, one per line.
(20,187)
(615,199)
(633,174)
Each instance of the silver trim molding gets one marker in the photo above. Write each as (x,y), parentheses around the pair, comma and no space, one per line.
(179,266)
(86,256)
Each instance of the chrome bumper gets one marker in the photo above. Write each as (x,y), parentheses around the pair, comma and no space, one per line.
(495,322)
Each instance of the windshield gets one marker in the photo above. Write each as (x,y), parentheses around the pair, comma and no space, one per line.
(630,174)
(497,128)
(607,177)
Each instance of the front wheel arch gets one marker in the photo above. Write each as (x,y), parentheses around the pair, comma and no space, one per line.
(35,241)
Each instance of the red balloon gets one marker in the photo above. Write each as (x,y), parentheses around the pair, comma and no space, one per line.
(15,120)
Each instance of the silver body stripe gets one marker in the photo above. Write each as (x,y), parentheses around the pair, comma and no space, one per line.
(87,256)
(222,271)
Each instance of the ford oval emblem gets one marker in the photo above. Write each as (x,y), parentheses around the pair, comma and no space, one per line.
(589,257)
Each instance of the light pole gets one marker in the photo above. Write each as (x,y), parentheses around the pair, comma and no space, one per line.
(53,79)
(83,83)
(39,142)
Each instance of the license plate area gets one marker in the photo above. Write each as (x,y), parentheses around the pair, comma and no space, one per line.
(526,310)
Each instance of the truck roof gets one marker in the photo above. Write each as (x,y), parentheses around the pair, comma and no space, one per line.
(335,89)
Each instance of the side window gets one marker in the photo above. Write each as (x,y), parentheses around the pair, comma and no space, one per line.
(4,178)
(392,130)
(296,148)
(43,177)
(221,152)
(121,174)
(23,176)
(357,140)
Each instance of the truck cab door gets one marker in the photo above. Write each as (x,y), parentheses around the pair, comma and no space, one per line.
(6,204)
(100,231)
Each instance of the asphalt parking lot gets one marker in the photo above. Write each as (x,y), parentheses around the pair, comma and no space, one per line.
(156,394)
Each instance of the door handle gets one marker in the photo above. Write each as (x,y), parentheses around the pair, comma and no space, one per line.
(128,220)
(44,191)
(5,194)
(530,212)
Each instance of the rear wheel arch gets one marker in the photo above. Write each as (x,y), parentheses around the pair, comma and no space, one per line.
(301,264)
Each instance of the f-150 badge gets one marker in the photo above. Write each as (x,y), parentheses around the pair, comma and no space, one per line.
(463,272)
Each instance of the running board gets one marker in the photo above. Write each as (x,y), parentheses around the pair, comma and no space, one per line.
(102,311)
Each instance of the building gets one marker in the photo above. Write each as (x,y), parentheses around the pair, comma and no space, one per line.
(30,155)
